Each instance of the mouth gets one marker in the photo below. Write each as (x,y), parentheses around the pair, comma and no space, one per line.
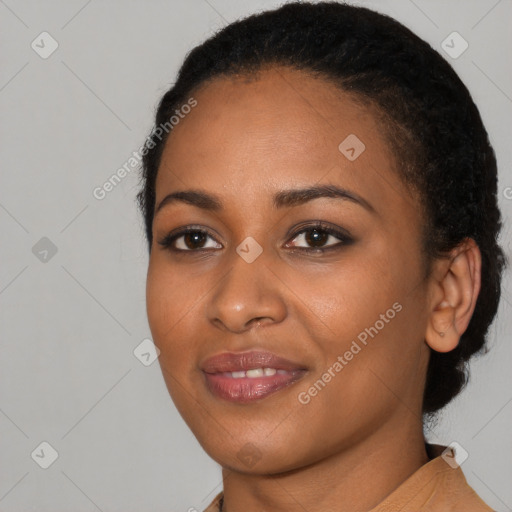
(248,376)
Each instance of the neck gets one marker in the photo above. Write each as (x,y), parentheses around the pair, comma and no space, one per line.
(353,479)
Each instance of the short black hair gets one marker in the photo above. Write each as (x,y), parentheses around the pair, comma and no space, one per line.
(431,122)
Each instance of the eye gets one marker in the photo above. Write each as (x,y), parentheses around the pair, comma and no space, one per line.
(319,237)
(189,239)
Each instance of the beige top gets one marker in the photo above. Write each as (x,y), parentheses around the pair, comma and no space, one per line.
(435,487)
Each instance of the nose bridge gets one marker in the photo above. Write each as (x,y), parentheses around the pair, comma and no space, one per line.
(248,292)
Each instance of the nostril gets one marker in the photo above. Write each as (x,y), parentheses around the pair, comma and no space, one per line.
(258,321)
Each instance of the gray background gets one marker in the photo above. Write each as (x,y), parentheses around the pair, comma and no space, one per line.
(70,323)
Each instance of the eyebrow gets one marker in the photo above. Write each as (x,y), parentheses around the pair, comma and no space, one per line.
(283,199)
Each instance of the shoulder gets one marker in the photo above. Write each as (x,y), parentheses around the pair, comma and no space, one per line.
(447,487)
(437,486)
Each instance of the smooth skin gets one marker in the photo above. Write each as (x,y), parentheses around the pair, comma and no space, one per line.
(360,437)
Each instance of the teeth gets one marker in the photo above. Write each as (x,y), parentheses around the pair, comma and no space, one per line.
(257,372)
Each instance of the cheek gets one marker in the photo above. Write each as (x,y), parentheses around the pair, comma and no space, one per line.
(169,306)
(349,296)
(368,316)
(169,303)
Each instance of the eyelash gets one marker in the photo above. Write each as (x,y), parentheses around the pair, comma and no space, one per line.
(168,241)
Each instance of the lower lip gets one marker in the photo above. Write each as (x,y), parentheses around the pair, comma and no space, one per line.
(249,389)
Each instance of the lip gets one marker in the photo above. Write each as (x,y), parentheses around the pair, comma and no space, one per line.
(249,389)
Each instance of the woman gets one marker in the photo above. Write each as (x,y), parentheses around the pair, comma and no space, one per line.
(319,195)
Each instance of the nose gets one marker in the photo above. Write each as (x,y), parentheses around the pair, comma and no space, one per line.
(247,296)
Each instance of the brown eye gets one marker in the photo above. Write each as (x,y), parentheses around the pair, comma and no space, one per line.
(189,240)
(319,238)
(194,240)
(316,238)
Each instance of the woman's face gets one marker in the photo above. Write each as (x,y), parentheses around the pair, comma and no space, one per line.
(253,283)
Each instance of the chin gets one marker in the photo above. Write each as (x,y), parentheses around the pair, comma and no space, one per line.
(253,462)
(249,454)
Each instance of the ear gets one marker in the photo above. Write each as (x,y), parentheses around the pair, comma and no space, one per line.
(454,290)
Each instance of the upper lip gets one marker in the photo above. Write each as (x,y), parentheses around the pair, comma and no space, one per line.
(243,361)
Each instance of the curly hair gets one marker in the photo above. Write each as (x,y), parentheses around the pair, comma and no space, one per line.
(430,120)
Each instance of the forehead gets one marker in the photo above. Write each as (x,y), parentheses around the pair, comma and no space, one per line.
(280,128)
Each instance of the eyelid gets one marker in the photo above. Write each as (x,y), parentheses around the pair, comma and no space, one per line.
(170,238)
(341,234)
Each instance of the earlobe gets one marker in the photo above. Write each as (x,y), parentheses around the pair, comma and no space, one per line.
(456,287)
(442,335)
